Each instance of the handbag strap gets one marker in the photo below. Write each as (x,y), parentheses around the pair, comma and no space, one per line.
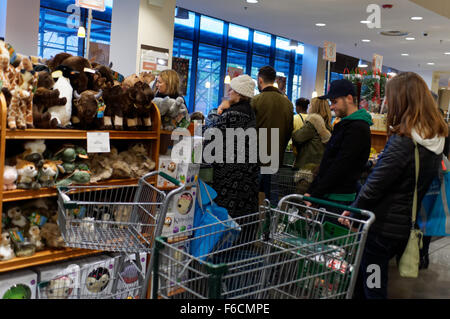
(417,167)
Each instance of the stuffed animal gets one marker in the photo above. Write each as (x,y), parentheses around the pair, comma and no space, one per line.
(54,63)
(117,104)
(89,109)
(52,235)
(6,250)
(20,111)
(79,78)
(49,171)
(34,152)
(173,112)
(78,177)
(146,77)
(130,81)
(138,160)
(16,217)
(62,112)
(69,154)
(27,173)
(101,165)
(103,78)
(7,71)
(59,288)
(139,111)
(97,280)
(9,178)
(34,235)
(122,214)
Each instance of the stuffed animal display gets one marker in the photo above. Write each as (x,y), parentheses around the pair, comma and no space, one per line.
(174,113)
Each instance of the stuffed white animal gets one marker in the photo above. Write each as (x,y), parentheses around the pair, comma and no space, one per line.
(63,113)
(17,218)
(34,234)
(6,251)
(9,178)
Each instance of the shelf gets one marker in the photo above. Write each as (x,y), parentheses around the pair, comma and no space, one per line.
(383,133)
(44,257)
(35,134)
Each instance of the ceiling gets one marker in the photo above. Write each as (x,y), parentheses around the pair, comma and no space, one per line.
(296,19)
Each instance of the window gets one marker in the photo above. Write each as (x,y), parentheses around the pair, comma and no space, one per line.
(297,80)
(211,30)
(238,37)
(261,43)
(184,28)
(237,59)
(58,27)
(208,78)
(183,49)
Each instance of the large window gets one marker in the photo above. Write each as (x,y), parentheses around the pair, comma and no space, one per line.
(213,45)
(58,27)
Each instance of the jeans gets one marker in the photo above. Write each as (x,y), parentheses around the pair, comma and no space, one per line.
(378,250)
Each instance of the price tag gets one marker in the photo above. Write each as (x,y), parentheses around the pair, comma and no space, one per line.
(98,142)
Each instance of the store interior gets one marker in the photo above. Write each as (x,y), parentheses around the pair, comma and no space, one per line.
(124,42)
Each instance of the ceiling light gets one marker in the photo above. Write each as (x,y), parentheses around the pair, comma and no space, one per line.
(362,64)
(252,1)
(416,18)
(447,53)
(410,39)
(364,22)
(365,40)
(320,24)
(405,54)
(430,63)
(81,32)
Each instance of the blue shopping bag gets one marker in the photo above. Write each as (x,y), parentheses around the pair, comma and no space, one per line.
(434,215)
(214,229)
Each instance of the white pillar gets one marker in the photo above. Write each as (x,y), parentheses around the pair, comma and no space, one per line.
(22,25)
(136,23)
(313,71)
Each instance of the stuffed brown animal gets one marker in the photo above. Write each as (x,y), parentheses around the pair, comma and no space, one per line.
(43,100)
(89,110)
(139,110)
(57,60)
(79,79)
(116,107)
(52,235)
(130,81)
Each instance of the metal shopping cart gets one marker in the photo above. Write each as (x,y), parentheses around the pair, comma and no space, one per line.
(289,181)
(294,252)
(124,219)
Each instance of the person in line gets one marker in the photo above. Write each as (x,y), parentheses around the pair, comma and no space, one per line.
(348,149)
(236,184)
(301,107)
(412,117)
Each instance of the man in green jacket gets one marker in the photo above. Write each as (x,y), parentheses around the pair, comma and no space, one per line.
(273,110)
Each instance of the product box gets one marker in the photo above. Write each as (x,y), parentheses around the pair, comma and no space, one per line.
(180,214)
(97,276)
(130,275)
(18,285)
(168,166)
(58,281)
(188,173)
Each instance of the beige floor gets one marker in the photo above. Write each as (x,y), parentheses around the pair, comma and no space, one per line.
(433,283)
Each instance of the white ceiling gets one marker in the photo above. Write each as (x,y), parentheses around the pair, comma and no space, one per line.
(296,19)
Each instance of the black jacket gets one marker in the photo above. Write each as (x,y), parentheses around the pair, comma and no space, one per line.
(389,189)
(344,159)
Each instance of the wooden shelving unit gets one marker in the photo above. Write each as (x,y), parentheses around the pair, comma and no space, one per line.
(52,255)
(379,139)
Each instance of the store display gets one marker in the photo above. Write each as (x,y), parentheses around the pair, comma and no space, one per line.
(180,214)
(130,275)
(96,278)
(58,281)
(18,285)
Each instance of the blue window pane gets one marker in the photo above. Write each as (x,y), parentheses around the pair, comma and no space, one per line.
(184,28)
(236,59)
(208,78)
(261,43)
(283,51)
(101,32)
(257,63)
(63,5)
(183,49)
(211,30)
(238,37)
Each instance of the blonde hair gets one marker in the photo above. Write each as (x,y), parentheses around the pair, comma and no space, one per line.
(411,106)
(172,80)
(322,108)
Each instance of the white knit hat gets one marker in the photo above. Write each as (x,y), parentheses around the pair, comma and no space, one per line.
(244,85)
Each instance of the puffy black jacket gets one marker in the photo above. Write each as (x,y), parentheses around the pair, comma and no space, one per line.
(389,189)
(344,159)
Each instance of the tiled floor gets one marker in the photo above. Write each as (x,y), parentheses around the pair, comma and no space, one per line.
(432,283)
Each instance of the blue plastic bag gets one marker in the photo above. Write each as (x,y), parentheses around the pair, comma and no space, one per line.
(434,215)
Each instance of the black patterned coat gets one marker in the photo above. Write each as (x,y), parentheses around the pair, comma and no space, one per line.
(236,184)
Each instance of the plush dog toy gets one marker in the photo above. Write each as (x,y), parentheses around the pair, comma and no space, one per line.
(9,178)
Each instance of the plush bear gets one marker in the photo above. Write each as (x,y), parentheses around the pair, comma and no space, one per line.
(147,77)
(27,173)
(139,111)
(130,81)
(20,111)
(49,171)
(52,235)
(16,217)
(57,60)
(89,110)
(9,178)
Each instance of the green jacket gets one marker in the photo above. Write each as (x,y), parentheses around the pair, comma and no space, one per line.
(274,110)
(310,141)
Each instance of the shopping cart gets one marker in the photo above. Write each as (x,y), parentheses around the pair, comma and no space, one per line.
(289,180)
(294,252)
(124,219)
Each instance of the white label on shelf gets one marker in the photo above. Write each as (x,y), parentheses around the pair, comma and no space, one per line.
(98,143)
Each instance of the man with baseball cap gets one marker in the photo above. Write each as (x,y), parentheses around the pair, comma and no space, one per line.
(348,150)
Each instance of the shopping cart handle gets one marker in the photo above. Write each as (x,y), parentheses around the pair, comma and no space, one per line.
(332,204)
(170,178)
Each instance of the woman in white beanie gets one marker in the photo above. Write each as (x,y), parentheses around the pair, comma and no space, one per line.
(236,183)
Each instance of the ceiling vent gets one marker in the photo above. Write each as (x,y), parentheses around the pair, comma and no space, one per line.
(394,33)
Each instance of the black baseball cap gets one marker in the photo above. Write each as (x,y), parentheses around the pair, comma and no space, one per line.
(339,88)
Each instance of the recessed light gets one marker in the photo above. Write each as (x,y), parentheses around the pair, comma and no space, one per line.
(320,24)
(430,63)
(447,53)
(410,39)
(405,54)
(364,22)
(365,40)
(252,1)
(416,18)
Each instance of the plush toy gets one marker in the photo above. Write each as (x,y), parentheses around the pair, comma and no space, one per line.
(89,109)
(20,111)
(9,178)
(122,214)
(52,235)
(81,72)
(97,280)
(78,177)
(62,113)
(69,154)
(173,112)
(139,111)
(59,288)
(103,78)
(130,81)
(6,250)
(27,173)
(54,63)
(101,165)
(138,160)
(34,236)
(16,217)
(117,104)
(146,77)
(7,71)
(34,152)
(49,171)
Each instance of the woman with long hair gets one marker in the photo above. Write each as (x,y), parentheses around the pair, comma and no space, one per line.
(168,84)
(413,120)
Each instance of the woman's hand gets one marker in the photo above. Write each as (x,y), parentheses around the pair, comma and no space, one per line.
(223,106)
(345,221)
